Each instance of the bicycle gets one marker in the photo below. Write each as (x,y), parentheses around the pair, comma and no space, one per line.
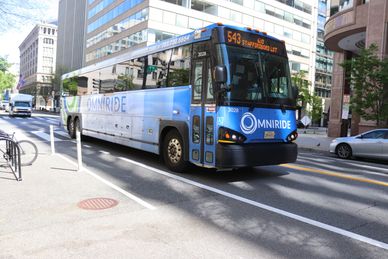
(28,150)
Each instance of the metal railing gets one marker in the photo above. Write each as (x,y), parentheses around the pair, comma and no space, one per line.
(11,154)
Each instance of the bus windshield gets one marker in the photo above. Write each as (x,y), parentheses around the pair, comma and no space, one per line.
(258,77)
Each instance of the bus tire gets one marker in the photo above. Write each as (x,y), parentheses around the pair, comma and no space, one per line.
(71,128)
(173,152)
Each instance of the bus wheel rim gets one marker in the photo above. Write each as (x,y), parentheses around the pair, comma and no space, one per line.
(174,150)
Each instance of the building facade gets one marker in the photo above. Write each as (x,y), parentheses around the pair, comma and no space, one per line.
(71,34)
(112,27)
(323,62)
(37,64)
(353,24)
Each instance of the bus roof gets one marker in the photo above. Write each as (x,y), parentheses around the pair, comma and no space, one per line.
(191,37)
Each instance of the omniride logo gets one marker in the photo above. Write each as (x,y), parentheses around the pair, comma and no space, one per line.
(249,123)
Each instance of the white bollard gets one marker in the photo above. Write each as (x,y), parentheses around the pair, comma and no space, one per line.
(79,151)
(52,139)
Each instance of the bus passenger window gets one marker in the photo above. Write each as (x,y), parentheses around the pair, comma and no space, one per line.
(210,93)
(197,84)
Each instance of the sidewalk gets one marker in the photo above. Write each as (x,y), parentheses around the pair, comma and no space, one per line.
(40,216)
(313,139)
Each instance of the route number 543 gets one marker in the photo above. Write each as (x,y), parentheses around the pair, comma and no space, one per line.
(234,37)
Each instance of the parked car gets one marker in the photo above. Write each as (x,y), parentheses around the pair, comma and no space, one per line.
(4,105)
(371,144)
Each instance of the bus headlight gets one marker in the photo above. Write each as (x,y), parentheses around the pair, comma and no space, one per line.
(293,136)
(226,135)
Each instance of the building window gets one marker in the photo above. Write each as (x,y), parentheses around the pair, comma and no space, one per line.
(169,18)
(124,25)
(125,43)
(118,10)
(182,21)
(204,7)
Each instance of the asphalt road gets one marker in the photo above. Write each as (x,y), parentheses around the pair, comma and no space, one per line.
(320,206)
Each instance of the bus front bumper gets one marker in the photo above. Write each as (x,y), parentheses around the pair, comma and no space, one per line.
(249,155)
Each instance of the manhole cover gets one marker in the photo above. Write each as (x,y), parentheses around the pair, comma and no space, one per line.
(97,204)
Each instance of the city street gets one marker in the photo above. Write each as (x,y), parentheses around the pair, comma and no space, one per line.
(318,207)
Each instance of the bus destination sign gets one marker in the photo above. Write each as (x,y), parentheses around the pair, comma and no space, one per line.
(254,41)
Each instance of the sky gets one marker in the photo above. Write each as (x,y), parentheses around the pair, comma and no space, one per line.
(11,39)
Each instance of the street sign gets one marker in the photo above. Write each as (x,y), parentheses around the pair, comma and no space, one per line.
(151,68)
(306,120)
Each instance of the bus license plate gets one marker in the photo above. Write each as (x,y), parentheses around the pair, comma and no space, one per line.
(269,134)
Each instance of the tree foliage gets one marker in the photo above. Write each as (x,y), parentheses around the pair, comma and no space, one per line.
(15,12)
(124,83)
(56,79)
(310,103)
(70,86)
(4,65)
(299,80)
(369,79)
(7,80)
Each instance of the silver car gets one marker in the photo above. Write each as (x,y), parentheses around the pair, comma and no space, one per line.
(371,144)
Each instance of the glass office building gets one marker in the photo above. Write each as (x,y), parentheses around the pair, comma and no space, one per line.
(114,26)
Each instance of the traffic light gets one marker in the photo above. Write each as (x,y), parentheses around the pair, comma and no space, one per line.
(96,83)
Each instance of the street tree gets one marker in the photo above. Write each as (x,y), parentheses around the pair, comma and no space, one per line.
(56,79)
(53,89)
(15,13)
(369,80)
(4,65)
(309,103)
(7,79)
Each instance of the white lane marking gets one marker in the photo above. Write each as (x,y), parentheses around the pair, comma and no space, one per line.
(86,146)
(315,223)
(125,193)
(364,169)
(62,133)
(44,135)
(104,152)
(45,119)
(351,162)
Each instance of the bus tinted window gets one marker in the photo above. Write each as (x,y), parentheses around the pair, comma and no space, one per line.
(169,68)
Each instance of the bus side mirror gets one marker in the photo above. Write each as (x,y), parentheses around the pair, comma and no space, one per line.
(220,74)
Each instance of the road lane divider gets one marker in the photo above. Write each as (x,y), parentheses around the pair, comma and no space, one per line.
(281,212)
(335,174)
(115,187)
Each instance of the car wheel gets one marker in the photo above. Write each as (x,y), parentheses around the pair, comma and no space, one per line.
(344,151)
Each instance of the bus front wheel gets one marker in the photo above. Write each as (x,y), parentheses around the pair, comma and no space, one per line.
(173,152)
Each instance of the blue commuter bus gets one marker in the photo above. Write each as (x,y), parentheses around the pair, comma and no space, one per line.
(218,97)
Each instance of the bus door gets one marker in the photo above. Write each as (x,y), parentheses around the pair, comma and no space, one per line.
(203,114)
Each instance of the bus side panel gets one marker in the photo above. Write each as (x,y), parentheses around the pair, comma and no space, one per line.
(134,117)
(69,105)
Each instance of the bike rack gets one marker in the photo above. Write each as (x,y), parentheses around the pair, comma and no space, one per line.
(12,156)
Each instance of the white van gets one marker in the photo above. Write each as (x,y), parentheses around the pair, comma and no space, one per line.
(20,104)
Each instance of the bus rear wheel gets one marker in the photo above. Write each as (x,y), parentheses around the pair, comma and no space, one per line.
(173,152)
